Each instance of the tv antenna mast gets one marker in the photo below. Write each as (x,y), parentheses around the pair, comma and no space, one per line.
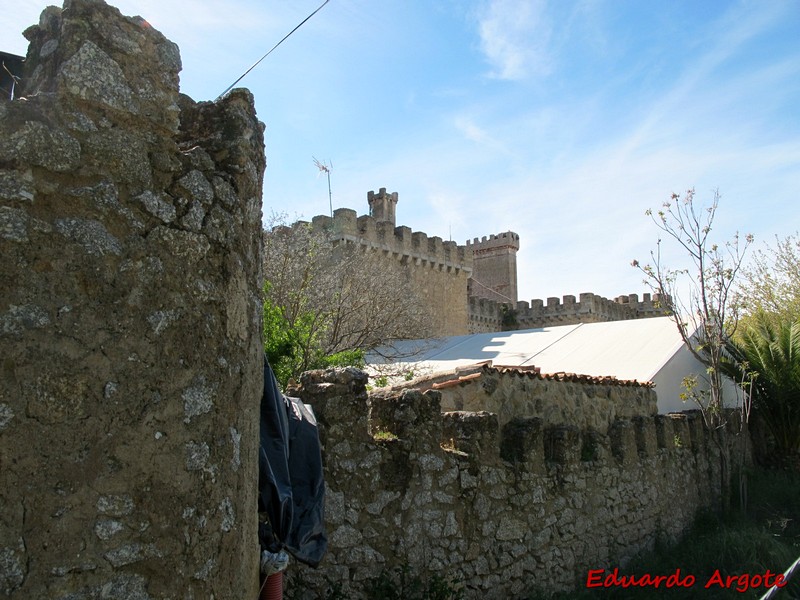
(323,168)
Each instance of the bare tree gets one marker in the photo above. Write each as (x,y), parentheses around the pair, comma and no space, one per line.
(702,302)
(340,297)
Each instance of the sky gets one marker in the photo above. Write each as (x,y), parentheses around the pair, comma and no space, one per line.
(563,121)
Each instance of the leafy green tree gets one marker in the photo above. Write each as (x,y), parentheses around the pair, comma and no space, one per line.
(292,346)
(767,356)
(770,285)
(765,347)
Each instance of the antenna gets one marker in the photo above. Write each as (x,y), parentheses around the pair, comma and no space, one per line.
(323,168)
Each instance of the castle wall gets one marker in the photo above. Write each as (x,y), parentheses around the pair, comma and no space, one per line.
(578,474)
(437,270)
(487,315)
(130,347)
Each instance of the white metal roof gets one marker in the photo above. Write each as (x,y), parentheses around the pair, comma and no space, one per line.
(629,350)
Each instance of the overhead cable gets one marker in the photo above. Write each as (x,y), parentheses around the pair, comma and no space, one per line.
(271,49)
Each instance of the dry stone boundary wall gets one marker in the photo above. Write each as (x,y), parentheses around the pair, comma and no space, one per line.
(508,505)
(130,352)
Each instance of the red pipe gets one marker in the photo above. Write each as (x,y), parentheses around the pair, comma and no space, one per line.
(272,588)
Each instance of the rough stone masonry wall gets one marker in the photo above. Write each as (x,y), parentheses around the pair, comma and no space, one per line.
(583,401)
(437,270)
(494,273)
(503,509)
(129,321)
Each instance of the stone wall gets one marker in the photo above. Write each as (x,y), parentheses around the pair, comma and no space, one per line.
(437,270)
(129,321)
(494,272)
(583,401)
(487,315)
(585,478)
(589,308)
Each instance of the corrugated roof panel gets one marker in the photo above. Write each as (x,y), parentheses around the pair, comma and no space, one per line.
(634,349)
(628,350)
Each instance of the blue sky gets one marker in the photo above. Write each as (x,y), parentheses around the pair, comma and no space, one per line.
(560,120)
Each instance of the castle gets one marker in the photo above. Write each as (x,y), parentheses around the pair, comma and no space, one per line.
(130,330)
(469,288)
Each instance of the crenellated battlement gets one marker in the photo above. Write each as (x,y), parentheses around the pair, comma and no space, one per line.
(383,205)
(434,271)
(508,239)
(494,273)
(400,242)
(471,287)
(562,474)
(500,413)
(485,315)
(588,308)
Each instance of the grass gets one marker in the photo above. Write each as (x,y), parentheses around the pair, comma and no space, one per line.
(384,436)
(739,546)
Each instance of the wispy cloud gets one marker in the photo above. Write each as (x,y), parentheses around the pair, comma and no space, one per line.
(477,134)
(640,100)
(697,82)
(514,37)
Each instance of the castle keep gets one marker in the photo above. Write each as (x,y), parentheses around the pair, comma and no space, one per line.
(494,275)
(470,288)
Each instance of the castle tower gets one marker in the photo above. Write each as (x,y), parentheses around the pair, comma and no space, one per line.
(382,206)
(494,268)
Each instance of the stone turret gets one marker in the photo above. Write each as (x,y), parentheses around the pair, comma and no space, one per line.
(494,274)
(383,205)
(130,320)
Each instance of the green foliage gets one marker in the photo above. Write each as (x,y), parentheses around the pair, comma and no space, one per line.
(771,286)
(345,358)
(401,584)
(294,346)
(764,353)
(285,342)
(766,356)
(508,319)
(384,436)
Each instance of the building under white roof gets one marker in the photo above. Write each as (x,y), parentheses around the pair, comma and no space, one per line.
(643,350)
